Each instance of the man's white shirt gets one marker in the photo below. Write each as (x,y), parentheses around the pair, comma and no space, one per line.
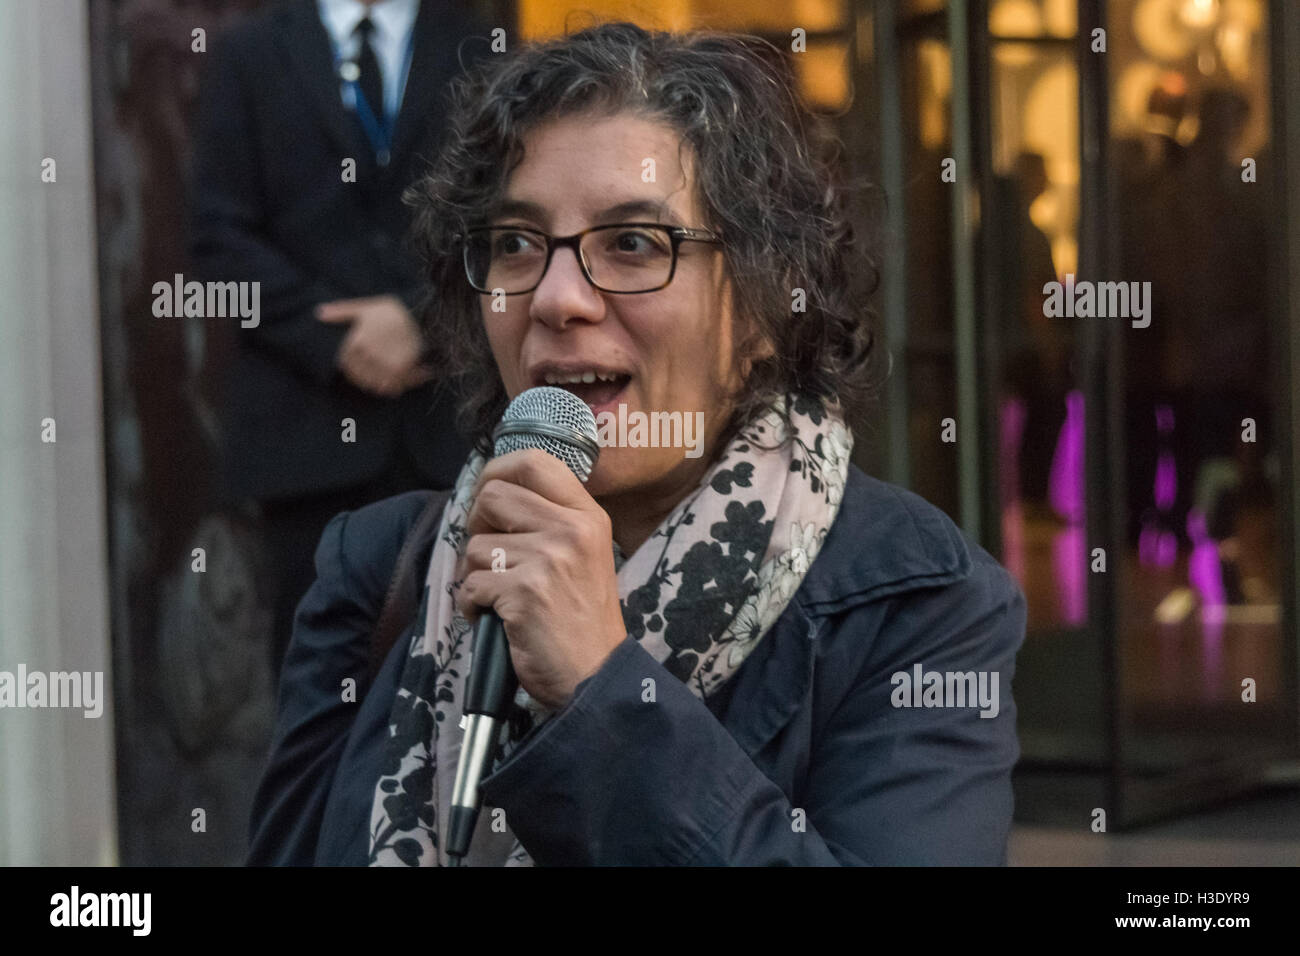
(393,21)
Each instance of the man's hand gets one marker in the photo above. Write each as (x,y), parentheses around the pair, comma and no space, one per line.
(382,349)
(553,579)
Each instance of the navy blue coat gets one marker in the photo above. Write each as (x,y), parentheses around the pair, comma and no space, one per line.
(811,722)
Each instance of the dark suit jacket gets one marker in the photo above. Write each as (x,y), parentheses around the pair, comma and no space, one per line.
(807,721)
(270,205)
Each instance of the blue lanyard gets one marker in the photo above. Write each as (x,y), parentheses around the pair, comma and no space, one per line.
(378,128)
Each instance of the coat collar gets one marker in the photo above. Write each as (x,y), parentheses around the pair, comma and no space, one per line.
(884,540)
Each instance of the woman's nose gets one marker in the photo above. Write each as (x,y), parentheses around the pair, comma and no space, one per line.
(565,295)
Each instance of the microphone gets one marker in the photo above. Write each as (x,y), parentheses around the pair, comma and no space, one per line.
(560,424)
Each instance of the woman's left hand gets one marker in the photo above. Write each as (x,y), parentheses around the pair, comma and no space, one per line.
(552,580)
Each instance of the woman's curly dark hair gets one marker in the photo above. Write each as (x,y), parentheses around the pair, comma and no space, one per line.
(765,177)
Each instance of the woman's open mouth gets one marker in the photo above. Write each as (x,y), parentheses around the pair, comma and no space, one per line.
(600,391)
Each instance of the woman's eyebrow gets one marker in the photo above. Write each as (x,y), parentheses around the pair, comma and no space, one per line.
(635,207)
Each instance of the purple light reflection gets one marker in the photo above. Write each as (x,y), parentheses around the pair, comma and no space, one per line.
(1205,574)
(1204,570)
(1065,482)
(1012,413)
(1166,481)
(1066,493)
(1070,568)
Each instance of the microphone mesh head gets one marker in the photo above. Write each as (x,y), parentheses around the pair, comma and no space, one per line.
(550,409)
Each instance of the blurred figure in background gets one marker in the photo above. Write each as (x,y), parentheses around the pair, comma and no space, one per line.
(1195,230)
(1036,369)
(314,117)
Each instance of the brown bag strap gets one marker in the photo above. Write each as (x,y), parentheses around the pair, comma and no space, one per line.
(403,595)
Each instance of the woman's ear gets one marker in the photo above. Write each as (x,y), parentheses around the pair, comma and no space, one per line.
(757,348)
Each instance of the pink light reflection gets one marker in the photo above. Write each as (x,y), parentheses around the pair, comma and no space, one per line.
(1067,496)
(1011,431)
(1065,482)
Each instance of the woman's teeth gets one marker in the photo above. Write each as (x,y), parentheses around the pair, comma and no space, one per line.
(597,389)
(581,378)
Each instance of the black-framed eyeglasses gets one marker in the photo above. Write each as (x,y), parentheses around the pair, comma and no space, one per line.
(625,258)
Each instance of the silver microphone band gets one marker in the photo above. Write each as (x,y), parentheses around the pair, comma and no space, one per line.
(480,733)
(535,426)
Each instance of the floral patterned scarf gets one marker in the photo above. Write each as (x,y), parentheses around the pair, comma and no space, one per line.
(698,594)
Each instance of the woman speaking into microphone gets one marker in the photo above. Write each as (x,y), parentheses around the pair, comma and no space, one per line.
(732,646)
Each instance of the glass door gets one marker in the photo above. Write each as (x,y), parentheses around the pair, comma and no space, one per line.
(1097,296)
(1204,667)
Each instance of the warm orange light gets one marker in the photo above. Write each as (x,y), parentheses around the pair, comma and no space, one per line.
(1015,18)
(934,79)
(1132,94)
(1199,14)
(547,18)
(770,16)
(1061,17)
(1008,53)
(1161,32)
(823,75)
(822,67)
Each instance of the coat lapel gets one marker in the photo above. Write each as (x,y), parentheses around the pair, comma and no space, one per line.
(775,681)
(885,541)
(423,84)
(307,50)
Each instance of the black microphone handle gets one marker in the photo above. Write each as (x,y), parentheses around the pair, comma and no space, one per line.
(490,691)
(491,683)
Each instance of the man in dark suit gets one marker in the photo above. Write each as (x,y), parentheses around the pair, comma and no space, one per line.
(314,116)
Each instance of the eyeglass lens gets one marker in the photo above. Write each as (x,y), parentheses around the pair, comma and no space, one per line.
(619,258)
